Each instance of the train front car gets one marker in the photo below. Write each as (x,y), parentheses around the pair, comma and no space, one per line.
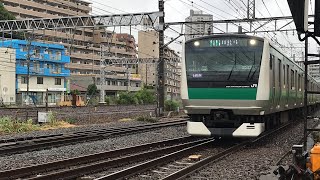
(221,89)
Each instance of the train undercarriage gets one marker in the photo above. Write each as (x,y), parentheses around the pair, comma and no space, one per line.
(224,123)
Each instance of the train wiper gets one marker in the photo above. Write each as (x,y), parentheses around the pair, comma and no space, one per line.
(254,62)
(235,63)
(253,73)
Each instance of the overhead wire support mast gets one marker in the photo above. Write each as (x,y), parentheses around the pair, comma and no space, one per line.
(160,66)
(72,22)
(251,12)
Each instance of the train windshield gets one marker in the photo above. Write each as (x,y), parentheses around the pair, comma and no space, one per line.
(224,59)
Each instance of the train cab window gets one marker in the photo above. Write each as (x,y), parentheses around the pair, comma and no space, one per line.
(292,80)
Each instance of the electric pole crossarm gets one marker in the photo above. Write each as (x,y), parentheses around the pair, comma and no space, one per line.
(233,20)
(262,25)
(72,22)
(138,60)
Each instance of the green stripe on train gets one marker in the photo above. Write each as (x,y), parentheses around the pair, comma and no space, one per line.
(223,93)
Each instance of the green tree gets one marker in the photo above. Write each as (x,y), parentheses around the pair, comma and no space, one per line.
(6,15)
(92,89)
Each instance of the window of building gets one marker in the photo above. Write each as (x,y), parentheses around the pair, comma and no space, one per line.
(24,80)
(57,81)
(39,80)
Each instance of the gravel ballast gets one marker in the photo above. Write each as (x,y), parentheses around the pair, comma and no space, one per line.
(255,161)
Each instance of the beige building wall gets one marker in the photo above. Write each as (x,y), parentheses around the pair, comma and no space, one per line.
(7,76)
(148,45)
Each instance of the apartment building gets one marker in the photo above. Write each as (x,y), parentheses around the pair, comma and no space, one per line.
(7,76)
(148,44)
(198,30)
(84,46)
(46,71)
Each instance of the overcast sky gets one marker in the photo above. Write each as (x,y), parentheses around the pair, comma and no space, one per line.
(178,10)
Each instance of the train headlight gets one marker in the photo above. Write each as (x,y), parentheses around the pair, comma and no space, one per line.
(252,42)
(196,43)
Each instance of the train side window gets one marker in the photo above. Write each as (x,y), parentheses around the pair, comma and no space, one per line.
(299,82)
(292,80)
(284,75)
(271,60)
(296,80)
(288,76)
(280,73)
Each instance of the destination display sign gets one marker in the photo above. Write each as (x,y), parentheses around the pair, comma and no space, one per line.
(228,42)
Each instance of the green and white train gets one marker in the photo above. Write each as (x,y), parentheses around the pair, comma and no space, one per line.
(240,86)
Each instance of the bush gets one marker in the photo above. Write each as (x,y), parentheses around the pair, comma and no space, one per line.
(107,100)
(52,119)
(110,100)
(127,98)
(8,125)
(145,96)
(93,101)
(171,105)
(71,120)
(146,119)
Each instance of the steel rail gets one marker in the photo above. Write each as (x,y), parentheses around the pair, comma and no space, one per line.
(56,141)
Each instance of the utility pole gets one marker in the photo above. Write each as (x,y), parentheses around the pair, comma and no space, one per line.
(28,66)
(251,11)
(102,74)
(161,77)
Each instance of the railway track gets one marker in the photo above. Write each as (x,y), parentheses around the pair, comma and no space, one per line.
(177,167)
(13,146)
(76,167)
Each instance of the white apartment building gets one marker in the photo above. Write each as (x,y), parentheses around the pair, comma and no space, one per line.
(7,76)
(198,30)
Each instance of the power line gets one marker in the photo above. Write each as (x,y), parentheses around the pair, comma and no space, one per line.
(266,8)
(218,8)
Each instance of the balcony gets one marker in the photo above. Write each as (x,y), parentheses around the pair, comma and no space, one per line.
(44,57)
(42,71)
